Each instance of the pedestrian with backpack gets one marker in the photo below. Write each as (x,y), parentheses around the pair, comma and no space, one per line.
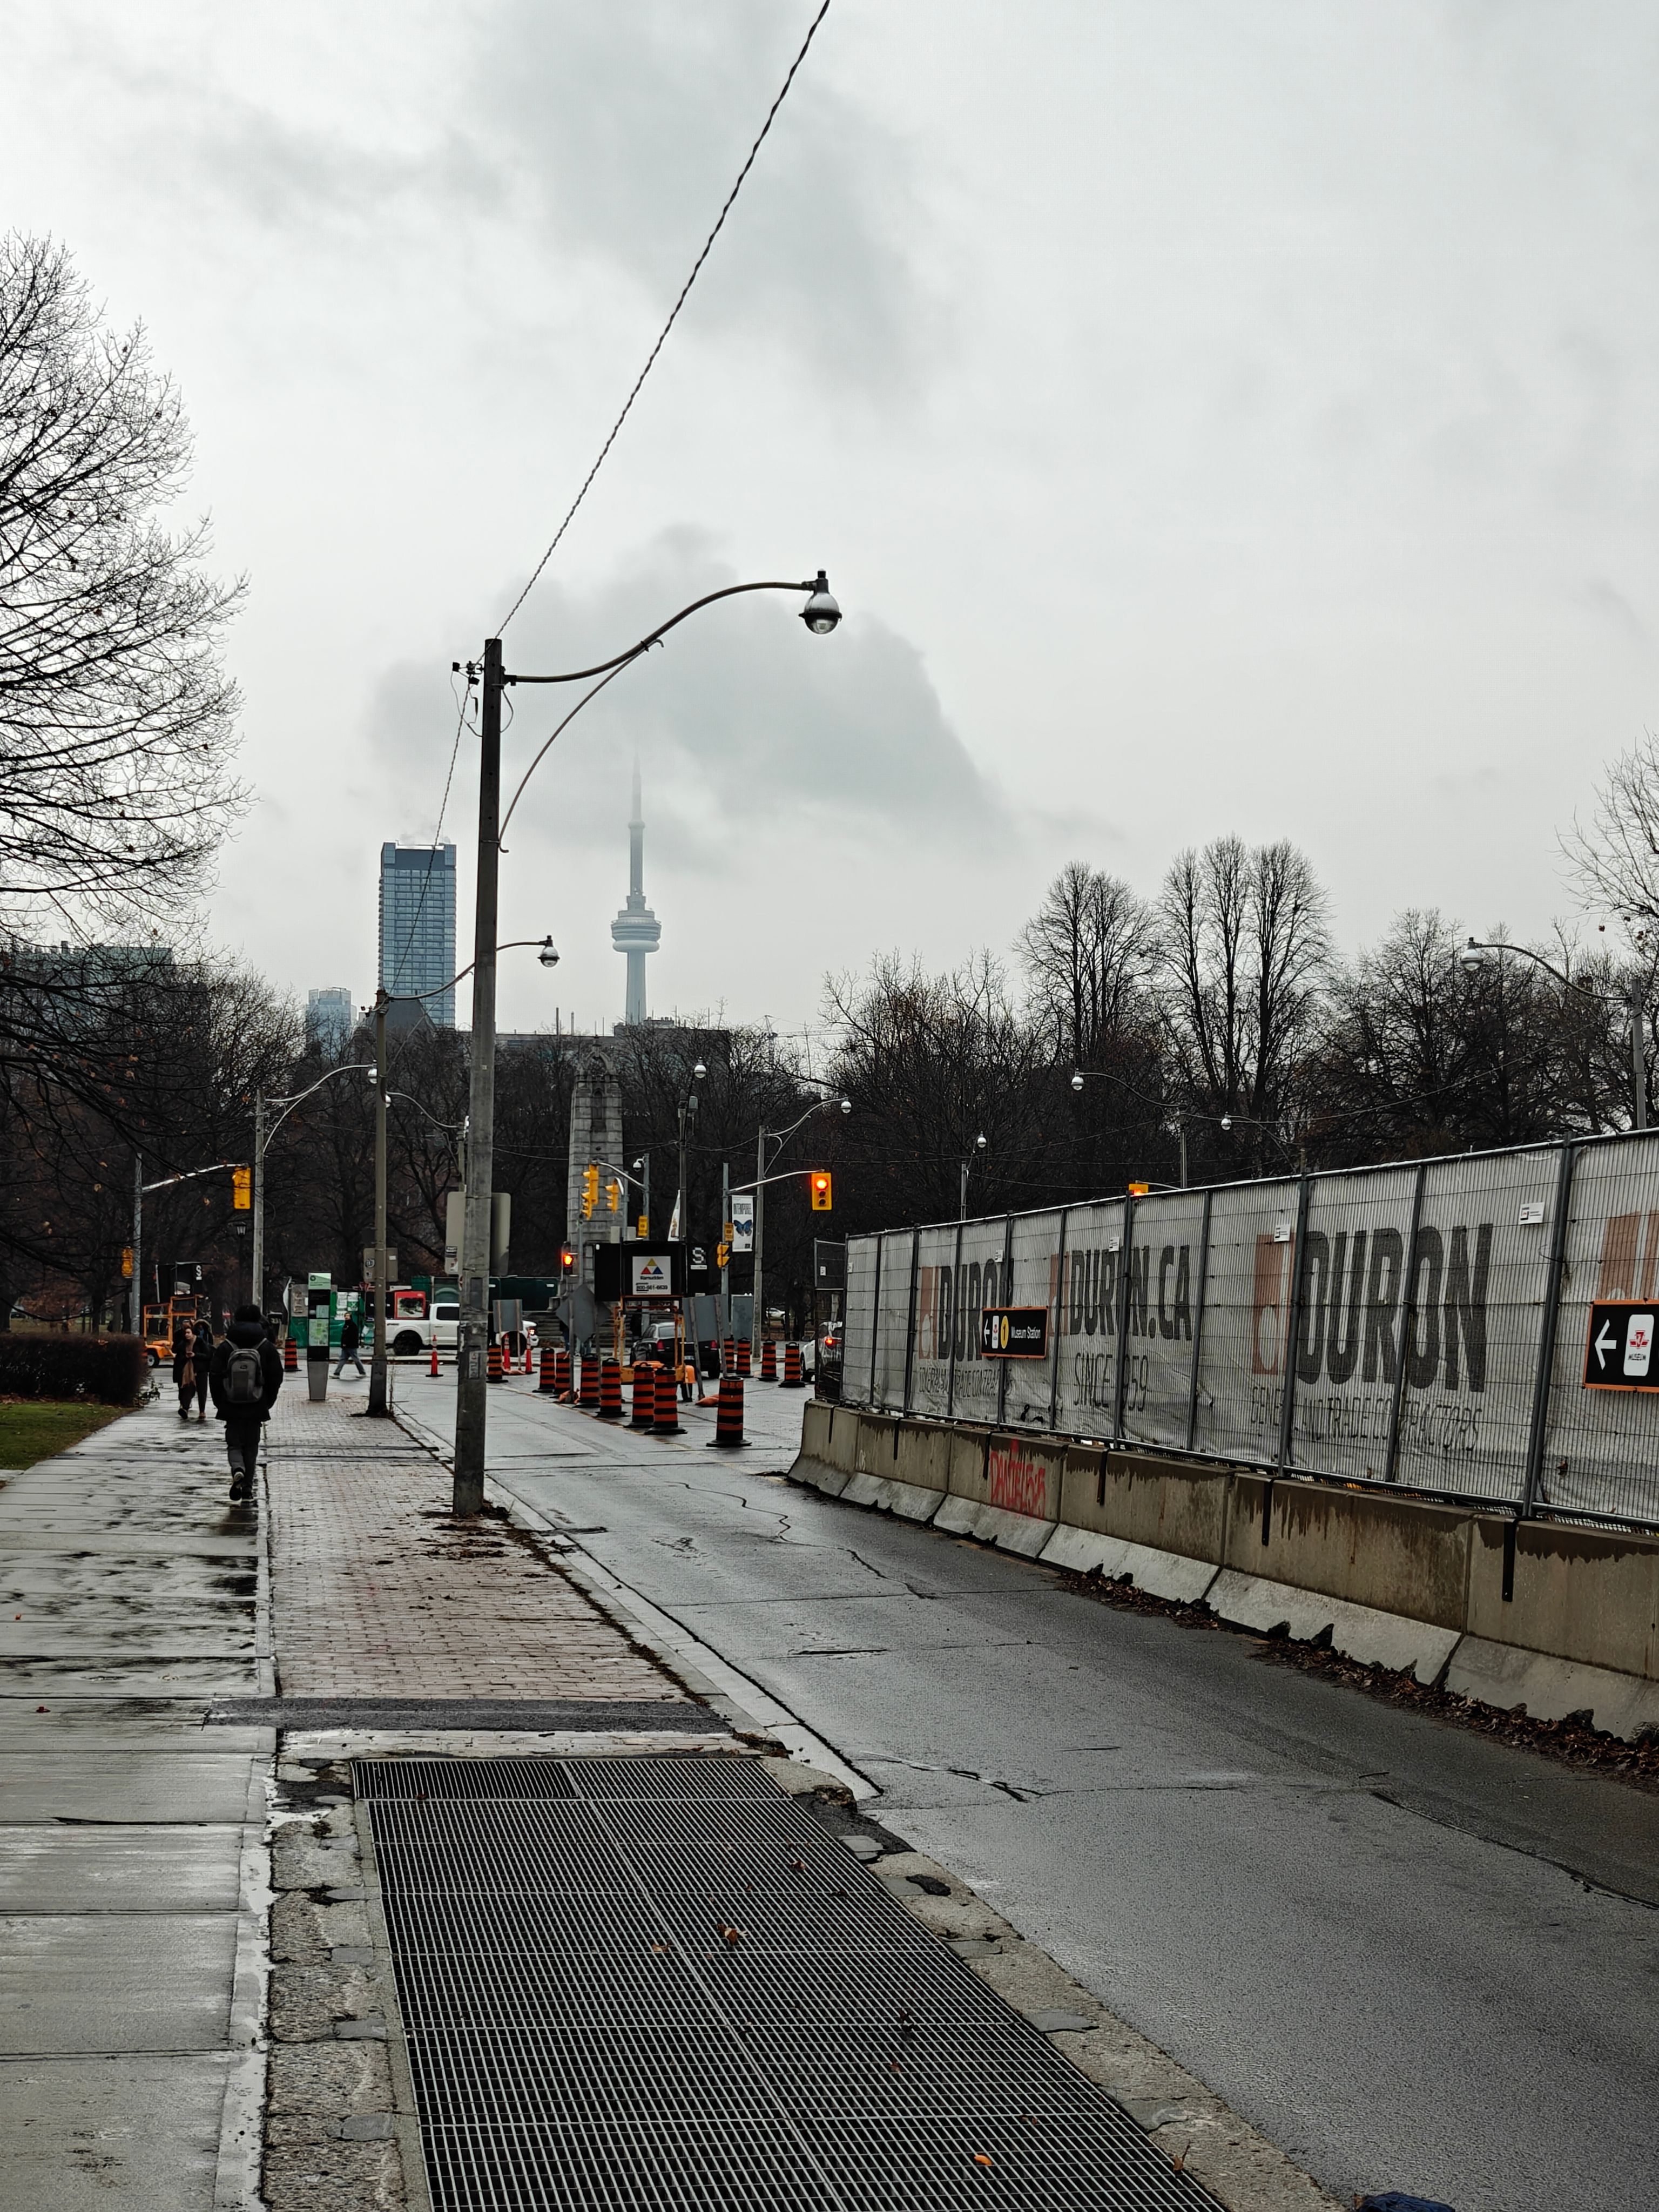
(244,1375)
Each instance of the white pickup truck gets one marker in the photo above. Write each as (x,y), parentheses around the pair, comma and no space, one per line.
(416,1333)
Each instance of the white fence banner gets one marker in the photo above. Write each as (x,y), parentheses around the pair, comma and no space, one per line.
(1425,1325)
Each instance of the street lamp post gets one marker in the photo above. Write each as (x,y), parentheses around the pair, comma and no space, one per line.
(779,1137)
(821,615)
(979,1148)
(1473,959)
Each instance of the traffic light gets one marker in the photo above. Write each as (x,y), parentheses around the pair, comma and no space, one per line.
(820,1188)
(126,1263)
(590,1191)
(1139,1189)
(241,1189)
(567,1262)
(613,1195)
(722,1254)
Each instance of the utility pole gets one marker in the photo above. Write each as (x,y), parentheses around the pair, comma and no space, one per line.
(757,1327)
(726,1247)
(377,1397)
(472,1336)
(256,1295)
(139,1244)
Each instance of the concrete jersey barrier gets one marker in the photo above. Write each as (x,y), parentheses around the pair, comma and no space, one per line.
(1560,1619)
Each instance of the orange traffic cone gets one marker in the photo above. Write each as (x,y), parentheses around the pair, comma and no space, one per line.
(666,1418)
(728,1422)
(794,1377)
(610,1404)
(768,1361)
(526,1355)
(434,1355)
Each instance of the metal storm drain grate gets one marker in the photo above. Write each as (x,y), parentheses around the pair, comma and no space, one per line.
(656,1984)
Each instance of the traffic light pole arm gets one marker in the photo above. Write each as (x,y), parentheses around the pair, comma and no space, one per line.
(761,1182)
(167,1182)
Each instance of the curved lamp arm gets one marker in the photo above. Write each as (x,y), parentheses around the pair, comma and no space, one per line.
(820,613)
(351,1067)
(730,591)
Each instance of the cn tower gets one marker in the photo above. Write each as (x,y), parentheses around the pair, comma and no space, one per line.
(636,930)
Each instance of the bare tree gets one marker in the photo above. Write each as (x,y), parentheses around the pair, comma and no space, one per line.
(1086,953)
(1245,949)
(1615,862)
(116,718)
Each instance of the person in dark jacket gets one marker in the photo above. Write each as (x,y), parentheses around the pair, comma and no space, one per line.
(244,1375)
(202,1359)
(350,1337)
(184,1367)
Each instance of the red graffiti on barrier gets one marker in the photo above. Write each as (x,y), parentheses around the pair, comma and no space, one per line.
(1017,1483)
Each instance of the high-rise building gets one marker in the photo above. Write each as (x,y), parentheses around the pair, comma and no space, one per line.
(329,1019)
(636,930)
(417,926)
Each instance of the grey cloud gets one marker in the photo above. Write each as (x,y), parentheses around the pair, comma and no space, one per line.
(626,127)
(741,717)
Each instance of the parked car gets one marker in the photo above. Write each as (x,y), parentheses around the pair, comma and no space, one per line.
(412,1332)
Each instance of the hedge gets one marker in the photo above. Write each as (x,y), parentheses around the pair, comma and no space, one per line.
(113,1368)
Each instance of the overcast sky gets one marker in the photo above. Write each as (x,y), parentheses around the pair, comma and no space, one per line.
(1213,417)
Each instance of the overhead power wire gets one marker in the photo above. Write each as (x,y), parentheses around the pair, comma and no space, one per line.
(685,289)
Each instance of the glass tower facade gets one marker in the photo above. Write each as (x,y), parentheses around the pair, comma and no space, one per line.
(329,1019)
(417,926)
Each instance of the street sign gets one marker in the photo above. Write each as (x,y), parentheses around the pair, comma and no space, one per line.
(1619,1349)
(1013,1332)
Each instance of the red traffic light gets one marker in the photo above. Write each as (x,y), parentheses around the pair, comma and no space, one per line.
(818,1183)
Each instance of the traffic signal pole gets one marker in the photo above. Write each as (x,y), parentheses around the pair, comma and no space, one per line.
(472,1334)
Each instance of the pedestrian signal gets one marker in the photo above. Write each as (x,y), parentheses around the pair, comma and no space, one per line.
(590,1191)
(241,1189)
(820,1188)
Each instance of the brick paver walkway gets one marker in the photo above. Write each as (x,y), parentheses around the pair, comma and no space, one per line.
(377,1593)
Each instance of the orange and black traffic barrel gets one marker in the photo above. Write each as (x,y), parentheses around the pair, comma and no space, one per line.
(768,1360)
(589,1395)
(667,1421)
(610,1398)
(548,1378)
(495,1363)
(728,1421)
(794,1375)
(646,1372)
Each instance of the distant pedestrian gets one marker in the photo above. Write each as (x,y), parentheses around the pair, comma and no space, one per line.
(245,1376)
(184,1367)
(350,1337)
(202,1359)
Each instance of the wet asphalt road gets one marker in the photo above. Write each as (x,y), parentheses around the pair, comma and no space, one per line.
(1416,1960)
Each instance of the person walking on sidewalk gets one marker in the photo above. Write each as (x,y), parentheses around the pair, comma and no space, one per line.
(202,1359)
(350,1337)
(184,1366)
(245,1376)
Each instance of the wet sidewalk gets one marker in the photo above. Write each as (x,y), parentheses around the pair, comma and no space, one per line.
(133,1850)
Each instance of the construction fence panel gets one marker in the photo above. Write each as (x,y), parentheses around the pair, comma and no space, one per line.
(1089,1297)
(1600,1446)
(1348,1320)
(1476,1293)
(1165,1296)
(934,1323)
(979,1280)
(1034,1279)
(1246,1319)
(859,1328)
(893,1318)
